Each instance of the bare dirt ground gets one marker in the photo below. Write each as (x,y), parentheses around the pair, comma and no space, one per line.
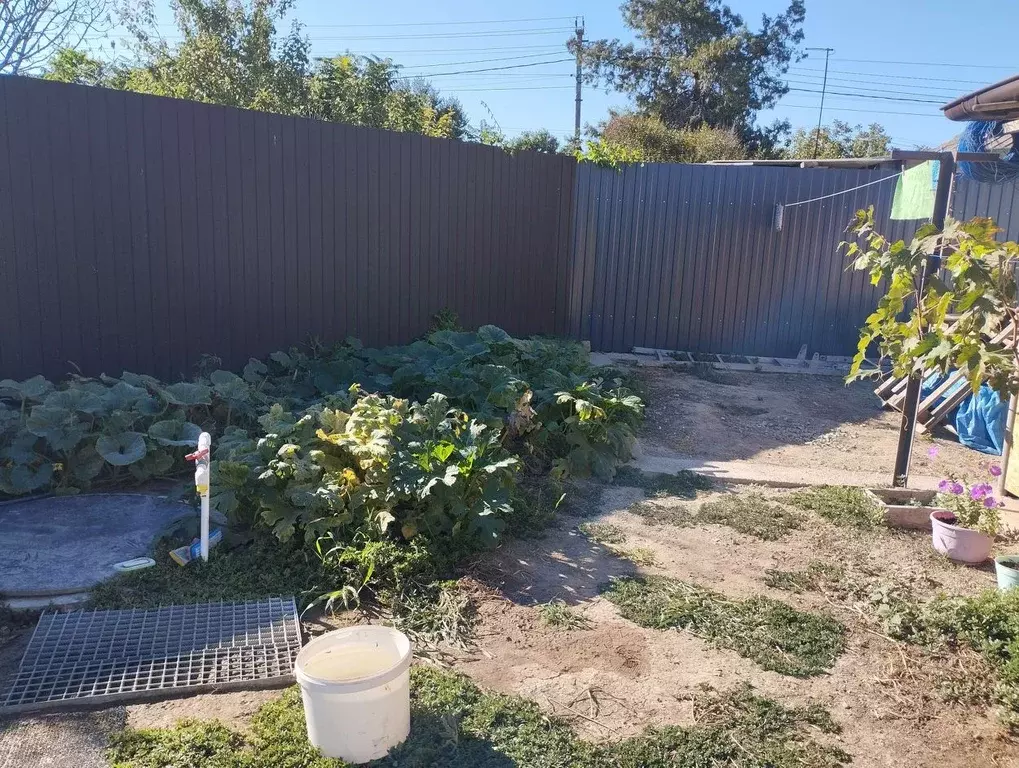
(614,678)
(787,420)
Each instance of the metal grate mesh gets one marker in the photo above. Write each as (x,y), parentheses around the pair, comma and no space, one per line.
(121,654)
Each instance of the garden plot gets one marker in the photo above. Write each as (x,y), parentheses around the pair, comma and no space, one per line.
(611,677)
(812,423)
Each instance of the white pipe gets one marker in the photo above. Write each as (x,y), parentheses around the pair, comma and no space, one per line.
(202,487)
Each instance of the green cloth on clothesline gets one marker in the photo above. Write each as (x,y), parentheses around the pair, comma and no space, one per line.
(914,192)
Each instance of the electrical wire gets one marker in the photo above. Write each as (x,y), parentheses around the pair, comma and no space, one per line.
(836,107)
(936,98)
(910,90)
(886,74)
(866,96)
(925,63)
(480,61)
(488,69)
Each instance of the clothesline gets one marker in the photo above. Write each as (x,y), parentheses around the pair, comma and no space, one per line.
(841,192)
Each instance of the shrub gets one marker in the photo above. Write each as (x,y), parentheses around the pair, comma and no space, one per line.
(392,463)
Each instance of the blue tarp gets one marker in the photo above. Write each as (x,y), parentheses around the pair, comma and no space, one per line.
(979,420)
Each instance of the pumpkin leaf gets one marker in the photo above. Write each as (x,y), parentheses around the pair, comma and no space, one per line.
(60,427)
(172,432)
(187,394)
(122,449)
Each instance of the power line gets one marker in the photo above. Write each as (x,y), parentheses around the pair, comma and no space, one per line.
(913,90)
(851,109)
(868,96)
(487,69)
(856,89)
(515,88)
(481,61)
(926,63)
(897,77)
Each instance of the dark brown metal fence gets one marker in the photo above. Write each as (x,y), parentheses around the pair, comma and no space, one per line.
(138,232)
(686,257)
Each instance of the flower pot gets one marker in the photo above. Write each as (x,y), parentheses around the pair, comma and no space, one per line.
(1007,569)
(963,545)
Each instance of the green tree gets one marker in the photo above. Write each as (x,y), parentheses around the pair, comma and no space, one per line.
(367,91)
(655,142)
(697,63)
(231,54)
(536,141)
(839,140)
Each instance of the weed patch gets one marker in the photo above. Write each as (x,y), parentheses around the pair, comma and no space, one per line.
(655,514)
(770,632)
(13,621)
(264,567)
(750,513)
(841,505)
(603,533)
(440,614)
(794,581)
(987,624)
(683,484)
(456,725)
(638,555)
(557,613)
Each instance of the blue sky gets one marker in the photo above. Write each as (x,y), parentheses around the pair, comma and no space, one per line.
(886,67)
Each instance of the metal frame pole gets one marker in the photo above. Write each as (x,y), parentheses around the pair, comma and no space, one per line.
(907,427)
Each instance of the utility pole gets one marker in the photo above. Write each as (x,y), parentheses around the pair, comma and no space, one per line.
(824,87)
(579,24)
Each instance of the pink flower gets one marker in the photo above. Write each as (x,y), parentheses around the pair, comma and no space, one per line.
(990,502)
(978,492)
(956,488)
(995,470)
(933,451)
(944,485)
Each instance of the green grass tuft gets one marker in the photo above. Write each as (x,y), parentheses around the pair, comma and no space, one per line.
(773,634)
(456,725)
(260,569)
(841,505)
(556,613)
(637,555)
(656,514)
(750,513)
(603,533)
(683,484)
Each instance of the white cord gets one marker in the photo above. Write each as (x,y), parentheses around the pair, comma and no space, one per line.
(844,191)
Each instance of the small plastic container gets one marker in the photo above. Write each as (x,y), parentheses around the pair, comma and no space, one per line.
(1006,567)
(355,684)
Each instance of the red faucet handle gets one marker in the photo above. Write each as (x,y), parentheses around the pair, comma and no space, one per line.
(197,455)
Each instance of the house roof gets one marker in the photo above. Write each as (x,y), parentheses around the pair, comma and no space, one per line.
(999,101)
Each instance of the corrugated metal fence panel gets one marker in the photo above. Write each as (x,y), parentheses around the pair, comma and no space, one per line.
(998,201)
(686,257)
(139,232)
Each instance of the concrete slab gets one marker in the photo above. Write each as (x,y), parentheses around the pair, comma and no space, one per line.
(60,545)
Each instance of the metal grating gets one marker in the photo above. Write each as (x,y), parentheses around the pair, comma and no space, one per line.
(118,655)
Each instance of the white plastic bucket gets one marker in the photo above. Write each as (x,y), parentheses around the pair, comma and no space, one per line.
(355,683)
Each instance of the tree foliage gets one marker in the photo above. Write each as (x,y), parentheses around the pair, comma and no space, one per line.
(31,31)
(910,325)
(655,142)
(232,54)
(696,62)
(541,140)
(840,140)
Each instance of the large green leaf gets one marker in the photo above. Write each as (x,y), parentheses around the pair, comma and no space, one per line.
(123,395)
(60,427)
(122,449)
(230,387)
(35,388)
(76,399)
(255,371)
(142,380)
(23,478)
(84,464)
(172,432)
(186,393)
(155,463)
